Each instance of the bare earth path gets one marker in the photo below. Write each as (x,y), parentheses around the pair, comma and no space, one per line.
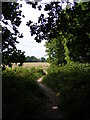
(51,111)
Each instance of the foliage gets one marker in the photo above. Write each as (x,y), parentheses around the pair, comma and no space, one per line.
(72,82)
(11,19)
(66,23)
(43,59)
(22,97)
(55,50)
(18,57)
(13,56)
(44,26)
(34,59)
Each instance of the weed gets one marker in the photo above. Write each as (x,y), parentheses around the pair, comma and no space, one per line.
(22,97)
(72,82)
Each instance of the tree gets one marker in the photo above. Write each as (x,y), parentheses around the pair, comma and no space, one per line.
(28,59)
(71,24)
(42,29)
(18,57)
(11,18)
(32,59)
(76,30)
(43,59)
(65,23)
(55,51)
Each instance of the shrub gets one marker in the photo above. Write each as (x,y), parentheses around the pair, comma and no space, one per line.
(22,96)
(72,81)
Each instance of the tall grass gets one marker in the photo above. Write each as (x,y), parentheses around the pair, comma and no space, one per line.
(72,82)
(22,97)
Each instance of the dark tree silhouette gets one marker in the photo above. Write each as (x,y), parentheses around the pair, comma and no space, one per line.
(11,17)
(70,23)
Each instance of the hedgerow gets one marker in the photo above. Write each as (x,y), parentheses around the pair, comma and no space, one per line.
(22,97)
(72,82)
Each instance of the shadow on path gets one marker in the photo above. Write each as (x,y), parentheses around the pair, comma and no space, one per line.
(50,108)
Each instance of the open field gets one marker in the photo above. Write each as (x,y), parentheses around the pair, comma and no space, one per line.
(43,65)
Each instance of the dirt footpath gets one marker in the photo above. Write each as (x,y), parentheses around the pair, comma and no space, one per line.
(51,106)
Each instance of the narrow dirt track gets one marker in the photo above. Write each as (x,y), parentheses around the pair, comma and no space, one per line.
(51,111)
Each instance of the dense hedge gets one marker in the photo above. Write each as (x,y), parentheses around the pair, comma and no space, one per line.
(22,96)
(72,82)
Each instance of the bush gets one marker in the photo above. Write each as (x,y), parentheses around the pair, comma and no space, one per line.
(22,96)
(72,81)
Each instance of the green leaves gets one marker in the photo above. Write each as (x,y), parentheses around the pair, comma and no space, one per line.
(21,93)
(12,18)
(70,23)
(72,82)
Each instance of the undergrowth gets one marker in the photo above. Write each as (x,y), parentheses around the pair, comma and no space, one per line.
(72,82)
(22,97)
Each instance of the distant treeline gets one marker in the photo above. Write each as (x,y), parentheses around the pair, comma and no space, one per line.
(34,59)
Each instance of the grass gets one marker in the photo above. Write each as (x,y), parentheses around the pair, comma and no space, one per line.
(22,97)
(72,82)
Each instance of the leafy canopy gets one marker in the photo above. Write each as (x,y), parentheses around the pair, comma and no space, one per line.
(71,24)
(11,19)
(68,26)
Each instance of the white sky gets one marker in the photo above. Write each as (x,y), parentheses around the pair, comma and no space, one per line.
(27,43)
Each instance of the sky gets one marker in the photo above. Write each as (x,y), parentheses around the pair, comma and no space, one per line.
(27,43)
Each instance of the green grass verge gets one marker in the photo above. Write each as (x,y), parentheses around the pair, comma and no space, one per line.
(22,97)
(72,82)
